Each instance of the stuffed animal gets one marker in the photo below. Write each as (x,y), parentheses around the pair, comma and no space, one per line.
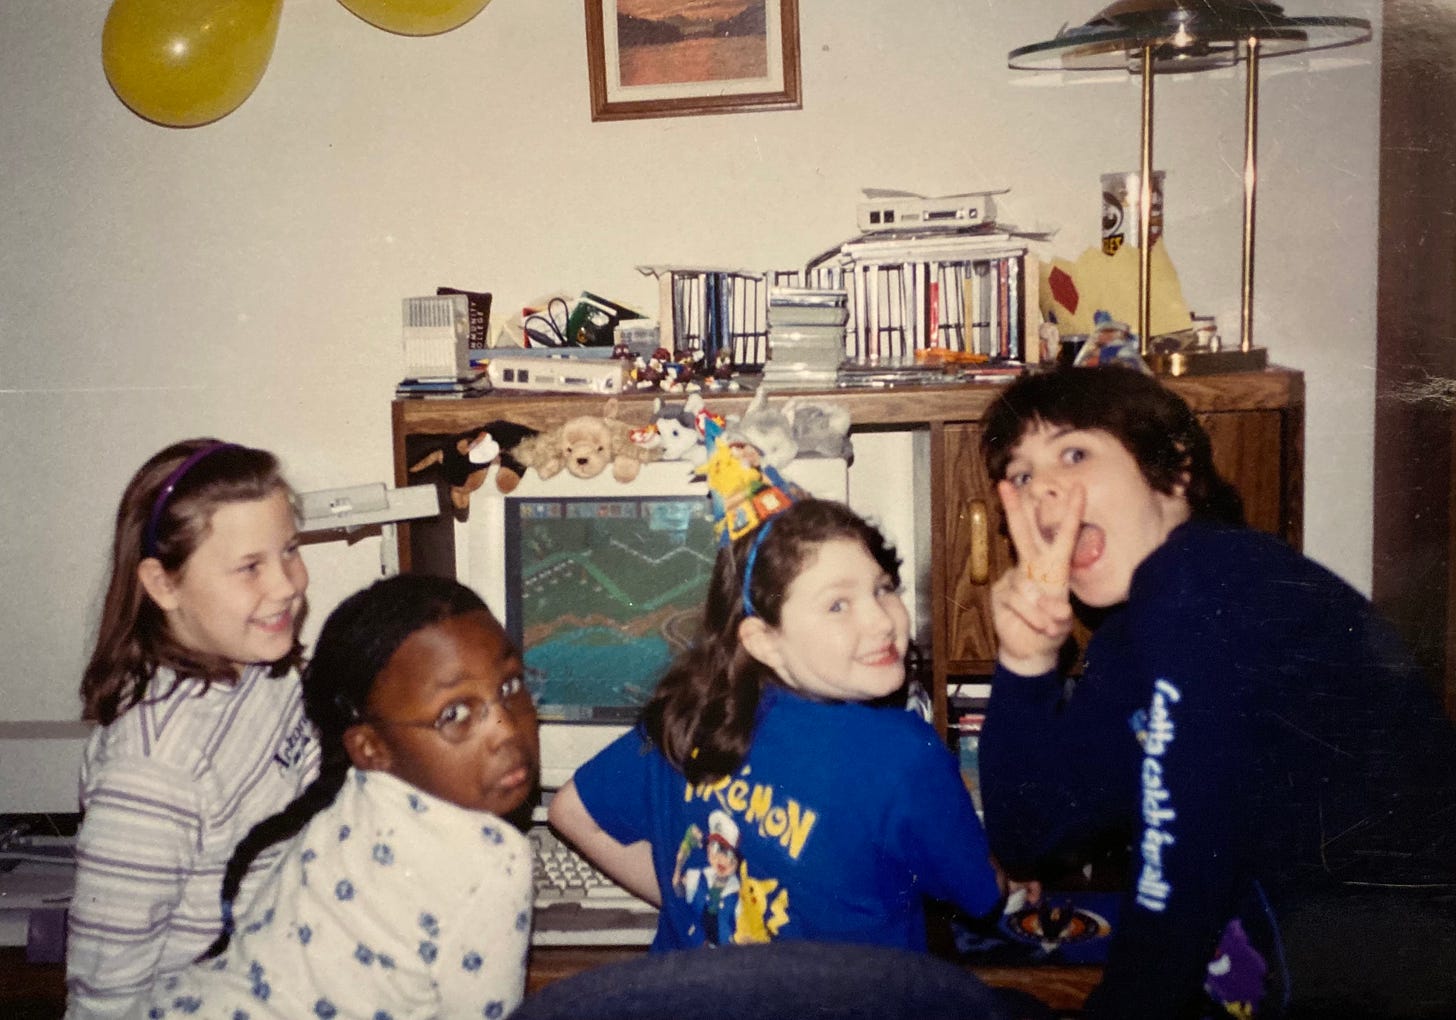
(674,430)
(766,428)
(585,446)
(466,459)
(820,428)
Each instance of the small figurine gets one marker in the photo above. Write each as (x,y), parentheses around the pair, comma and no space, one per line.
(723,365)
(651,374)
(685,370)
(1111,342)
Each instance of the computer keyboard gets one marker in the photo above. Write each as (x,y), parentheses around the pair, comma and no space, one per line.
(576,905)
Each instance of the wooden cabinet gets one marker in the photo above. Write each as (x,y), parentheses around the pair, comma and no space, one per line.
(1255,419)
(971,552)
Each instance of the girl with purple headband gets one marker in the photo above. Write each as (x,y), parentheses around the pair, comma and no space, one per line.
(193,682)
(770,791)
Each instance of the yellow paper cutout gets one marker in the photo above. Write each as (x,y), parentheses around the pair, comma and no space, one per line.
(1110,282)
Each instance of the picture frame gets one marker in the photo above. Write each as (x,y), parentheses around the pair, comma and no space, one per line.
(647,60)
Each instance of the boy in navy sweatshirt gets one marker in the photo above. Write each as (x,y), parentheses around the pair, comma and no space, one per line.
(1244,724)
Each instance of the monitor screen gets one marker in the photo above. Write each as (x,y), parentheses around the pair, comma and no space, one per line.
(601,593)
(600,583)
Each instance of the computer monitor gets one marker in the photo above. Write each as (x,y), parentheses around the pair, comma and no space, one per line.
(600,583)
(601,592)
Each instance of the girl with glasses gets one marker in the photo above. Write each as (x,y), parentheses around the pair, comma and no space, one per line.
(403,891)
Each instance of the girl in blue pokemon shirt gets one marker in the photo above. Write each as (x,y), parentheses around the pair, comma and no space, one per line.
(763,752)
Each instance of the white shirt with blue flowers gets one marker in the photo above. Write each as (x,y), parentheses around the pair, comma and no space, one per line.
(390,905)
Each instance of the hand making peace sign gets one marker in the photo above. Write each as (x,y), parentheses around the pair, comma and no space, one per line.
(1031,603)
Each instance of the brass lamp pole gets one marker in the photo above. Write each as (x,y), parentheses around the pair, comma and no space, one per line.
(1251,143)
(1145,209)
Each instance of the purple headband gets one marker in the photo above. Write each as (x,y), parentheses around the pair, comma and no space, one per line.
(149,537)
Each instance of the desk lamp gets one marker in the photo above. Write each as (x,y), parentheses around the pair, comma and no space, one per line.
(1152,37)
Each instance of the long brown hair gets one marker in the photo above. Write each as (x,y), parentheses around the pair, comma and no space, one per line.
(132,638)
(701,714)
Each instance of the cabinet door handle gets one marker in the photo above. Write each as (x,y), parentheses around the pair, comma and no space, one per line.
(978,563)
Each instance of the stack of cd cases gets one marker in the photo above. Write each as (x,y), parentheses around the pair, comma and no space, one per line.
(806,330)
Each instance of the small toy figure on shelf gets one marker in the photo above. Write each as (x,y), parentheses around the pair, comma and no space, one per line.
(651,373)
(1111,342)
(685,371)
(723,366)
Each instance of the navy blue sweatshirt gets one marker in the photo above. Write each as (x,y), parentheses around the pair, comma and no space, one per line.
(1247,724)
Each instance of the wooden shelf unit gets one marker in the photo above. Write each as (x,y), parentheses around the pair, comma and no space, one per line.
(1255,419)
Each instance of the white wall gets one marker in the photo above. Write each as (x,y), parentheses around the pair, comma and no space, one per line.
(244,278)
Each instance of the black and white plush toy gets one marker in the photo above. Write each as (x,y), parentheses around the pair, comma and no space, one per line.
(466,459)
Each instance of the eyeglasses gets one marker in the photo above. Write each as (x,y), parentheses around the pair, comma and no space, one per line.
(458,721)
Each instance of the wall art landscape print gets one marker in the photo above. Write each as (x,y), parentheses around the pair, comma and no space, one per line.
(666,58)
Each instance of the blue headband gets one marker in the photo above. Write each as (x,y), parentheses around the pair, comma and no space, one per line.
(149,537)
(749,561)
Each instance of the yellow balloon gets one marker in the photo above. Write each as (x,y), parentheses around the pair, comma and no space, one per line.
(416,17)
(182,63)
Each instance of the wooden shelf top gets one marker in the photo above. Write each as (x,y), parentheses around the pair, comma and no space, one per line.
(1274,388)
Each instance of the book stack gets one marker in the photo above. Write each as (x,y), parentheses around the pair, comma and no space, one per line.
(805,337)
(443,387)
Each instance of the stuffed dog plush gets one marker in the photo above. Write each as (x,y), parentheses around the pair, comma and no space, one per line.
(585,446)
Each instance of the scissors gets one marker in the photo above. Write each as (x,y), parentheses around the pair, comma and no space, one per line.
(549,329)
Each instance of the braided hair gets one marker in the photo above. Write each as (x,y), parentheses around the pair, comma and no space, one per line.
(356,643)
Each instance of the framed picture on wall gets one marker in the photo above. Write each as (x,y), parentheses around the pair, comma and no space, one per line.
(673,58)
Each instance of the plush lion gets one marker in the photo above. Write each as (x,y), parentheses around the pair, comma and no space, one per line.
(585,446)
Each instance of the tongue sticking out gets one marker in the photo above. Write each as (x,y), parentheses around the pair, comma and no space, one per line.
(1090,543)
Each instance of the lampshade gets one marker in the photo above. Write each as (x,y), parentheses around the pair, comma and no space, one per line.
(1152,37)
(1184,36)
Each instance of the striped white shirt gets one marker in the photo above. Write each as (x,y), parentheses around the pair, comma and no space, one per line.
(168,790)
